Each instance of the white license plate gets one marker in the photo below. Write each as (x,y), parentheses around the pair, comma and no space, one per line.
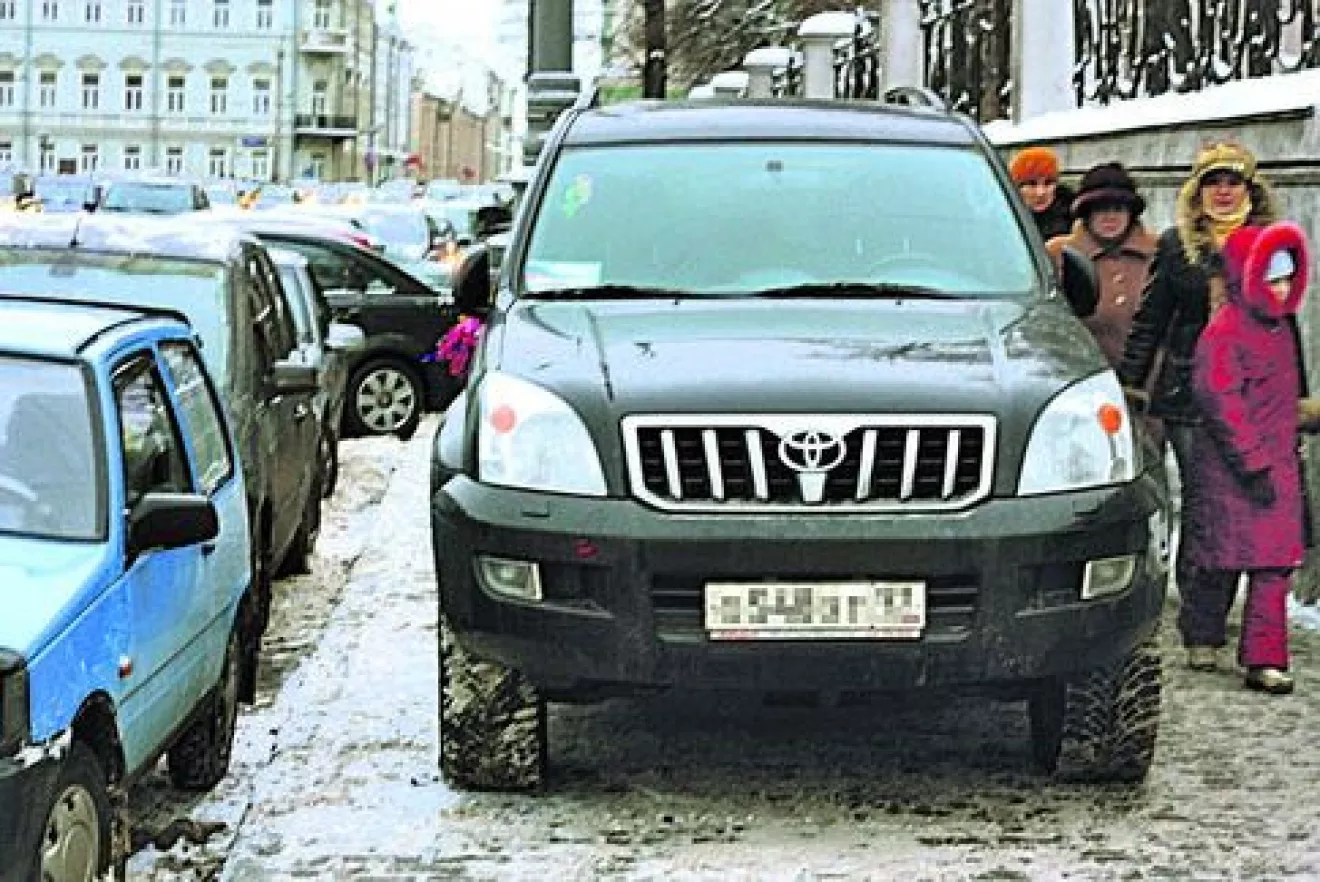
(815,610)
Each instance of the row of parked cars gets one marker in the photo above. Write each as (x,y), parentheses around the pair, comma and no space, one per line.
(173,391)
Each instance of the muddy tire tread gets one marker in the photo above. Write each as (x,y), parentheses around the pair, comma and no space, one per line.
(492,724)
(1111,720)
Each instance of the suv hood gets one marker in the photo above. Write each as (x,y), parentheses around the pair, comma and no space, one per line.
(42,584)
(746,355)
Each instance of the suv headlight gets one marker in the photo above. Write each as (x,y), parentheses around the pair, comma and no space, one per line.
(530,439)
(1083,438)
(14,707)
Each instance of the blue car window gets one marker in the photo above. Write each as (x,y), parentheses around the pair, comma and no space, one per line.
(153,456)
(201,414)
(49,483)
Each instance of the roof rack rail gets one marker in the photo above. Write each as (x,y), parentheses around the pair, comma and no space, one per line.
(915,96)
(589,96)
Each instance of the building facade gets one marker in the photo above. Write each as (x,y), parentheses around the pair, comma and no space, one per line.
(264,89)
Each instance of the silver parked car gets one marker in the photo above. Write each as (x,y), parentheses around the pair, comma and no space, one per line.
(326,345)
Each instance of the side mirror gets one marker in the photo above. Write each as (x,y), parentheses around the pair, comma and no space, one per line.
(1078,279)
(343,337)
(293,378)
(492,219)
(471,282)
(171,520)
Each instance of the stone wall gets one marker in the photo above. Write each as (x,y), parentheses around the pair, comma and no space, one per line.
(1157,138)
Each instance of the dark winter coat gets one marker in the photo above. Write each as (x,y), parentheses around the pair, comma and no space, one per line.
(1057,219)
(1247,379)
(1176,306)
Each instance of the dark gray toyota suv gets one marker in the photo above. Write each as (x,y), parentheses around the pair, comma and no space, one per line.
(788,396)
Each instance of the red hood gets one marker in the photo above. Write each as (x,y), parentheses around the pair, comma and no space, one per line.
(1247,254)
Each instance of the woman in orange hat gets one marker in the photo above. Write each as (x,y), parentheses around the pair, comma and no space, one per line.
(1035,170)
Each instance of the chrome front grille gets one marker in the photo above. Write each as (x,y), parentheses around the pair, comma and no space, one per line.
(824,462)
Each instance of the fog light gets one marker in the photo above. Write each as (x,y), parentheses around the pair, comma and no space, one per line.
(1108,575)
(518,579)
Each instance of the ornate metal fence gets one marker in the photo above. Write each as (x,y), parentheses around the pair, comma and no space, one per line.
(857,61)
(967,54)
(1134,48)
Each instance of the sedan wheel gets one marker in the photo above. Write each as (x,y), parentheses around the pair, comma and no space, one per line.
(385,399)
(75,837)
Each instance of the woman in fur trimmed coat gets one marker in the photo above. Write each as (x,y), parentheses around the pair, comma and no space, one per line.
(1223,194)
(1248,513)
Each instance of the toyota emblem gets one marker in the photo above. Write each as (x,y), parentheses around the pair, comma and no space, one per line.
(811,450)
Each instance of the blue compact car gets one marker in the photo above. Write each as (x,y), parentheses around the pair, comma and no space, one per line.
(124,577)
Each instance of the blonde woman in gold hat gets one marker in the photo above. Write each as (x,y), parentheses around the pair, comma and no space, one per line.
(1223,194)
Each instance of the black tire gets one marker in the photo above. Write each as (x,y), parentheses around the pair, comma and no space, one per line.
(200,758)
(1102,725)
(384,398)
(298,559)
(75,828)
(492,723)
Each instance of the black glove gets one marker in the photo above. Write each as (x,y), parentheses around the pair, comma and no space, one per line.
(1259,487)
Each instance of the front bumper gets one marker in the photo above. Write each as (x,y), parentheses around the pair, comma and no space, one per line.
(623,589)
(25,789)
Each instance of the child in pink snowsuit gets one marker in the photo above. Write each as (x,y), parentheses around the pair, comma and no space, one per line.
(1247,379)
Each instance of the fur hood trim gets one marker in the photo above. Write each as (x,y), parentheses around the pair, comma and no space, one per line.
(1247,254)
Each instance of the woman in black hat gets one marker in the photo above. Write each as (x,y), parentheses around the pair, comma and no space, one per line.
(1108,230)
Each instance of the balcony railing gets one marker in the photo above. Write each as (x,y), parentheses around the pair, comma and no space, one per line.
(325,125)
(332,41)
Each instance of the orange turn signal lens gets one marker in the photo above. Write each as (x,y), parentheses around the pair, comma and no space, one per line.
(1111,418)
(503,419)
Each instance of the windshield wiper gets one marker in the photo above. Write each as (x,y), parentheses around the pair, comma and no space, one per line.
(857,290)
(612,292)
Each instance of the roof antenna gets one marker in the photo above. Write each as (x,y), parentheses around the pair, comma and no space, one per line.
(73,240)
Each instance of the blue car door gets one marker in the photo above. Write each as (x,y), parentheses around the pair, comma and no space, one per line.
(225,560)
(167,609)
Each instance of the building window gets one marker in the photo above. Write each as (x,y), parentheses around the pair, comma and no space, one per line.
(6,152)
(217,163)
(261,165)
(133,92)
(136,11)
(178,13)
(132,158)
(50,10)
(261,97)
(220,14)
(90,159)
(92,12)
(91,91)
(321,14)
(219,94)
(7,10)
(317,166)
(46,157)
(174,94)
(46,88)
(319,97)
(6,88)
(173,160)
(265,15)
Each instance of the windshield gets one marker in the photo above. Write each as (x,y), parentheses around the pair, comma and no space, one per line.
(194,288)
(741,218)
(59,195)
(405,234)
(147,198)
(49,482)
